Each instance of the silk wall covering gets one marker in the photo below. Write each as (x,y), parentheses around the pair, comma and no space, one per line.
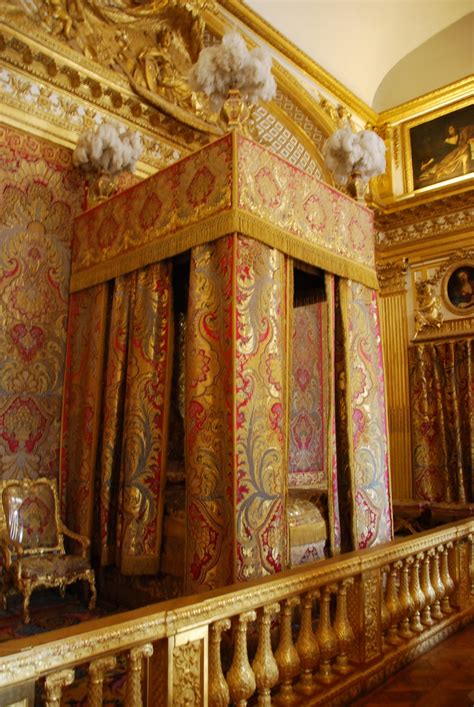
(235,422)
(442,397)
(39,196)
(366,415)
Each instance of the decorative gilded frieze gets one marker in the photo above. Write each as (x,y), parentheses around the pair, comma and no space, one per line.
(449,215)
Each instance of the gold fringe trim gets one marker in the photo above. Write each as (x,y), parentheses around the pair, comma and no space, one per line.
(214,227)
(306,534)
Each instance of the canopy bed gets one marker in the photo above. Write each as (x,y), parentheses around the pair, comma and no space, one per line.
(264,277)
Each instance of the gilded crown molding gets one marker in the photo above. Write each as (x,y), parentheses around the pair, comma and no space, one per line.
(464,88)
(449,215)
(315,72)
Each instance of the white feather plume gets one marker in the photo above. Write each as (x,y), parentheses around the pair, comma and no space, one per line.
(346,152)
(231,65)
(109,148)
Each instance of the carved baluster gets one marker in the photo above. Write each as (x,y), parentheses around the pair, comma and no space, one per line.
(327,639)
(406,602)
(219,695)
(437,585)
(427,590)
(54,684)
(287,657)
(240,677)
(97,670)
(384,612)
(307,646)
(343,629)
(134,673)
(446,578)
(393,604)
(264,664)
(417,595)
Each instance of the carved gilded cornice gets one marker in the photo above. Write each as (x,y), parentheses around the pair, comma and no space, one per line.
(449,215)
(429,101)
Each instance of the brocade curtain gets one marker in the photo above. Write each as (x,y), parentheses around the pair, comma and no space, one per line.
(442,397)
(117,391)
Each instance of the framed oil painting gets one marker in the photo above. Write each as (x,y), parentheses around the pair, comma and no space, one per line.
(441,148)
(458,288)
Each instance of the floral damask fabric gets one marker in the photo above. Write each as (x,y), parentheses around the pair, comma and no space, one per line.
(115,415)
(236,428)
(366,415)
(40,194)
(30,516)
(309,385)
(442,407)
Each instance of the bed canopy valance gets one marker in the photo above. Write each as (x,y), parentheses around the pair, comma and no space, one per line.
(271,400)
(233,185)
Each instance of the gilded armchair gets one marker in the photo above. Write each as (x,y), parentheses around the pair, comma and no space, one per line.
(32,543)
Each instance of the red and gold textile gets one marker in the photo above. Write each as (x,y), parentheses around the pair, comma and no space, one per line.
(236,427)
(82,405)
(145,421)
(232,185)
(309,404)
(118,380)
(442,408)
(40,194)
(365,394)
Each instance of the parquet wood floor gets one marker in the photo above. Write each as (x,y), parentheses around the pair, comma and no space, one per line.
(443,677)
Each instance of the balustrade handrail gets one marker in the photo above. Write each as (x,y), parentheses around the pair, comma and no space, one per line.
(30,658)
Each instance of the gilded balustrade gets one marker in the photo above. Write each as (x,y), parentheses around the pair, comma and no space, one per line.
(309,636)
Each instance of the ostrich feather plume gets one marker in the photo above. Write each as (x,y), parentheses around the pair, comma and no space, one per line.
(109,148)
(346,152)
(231,65)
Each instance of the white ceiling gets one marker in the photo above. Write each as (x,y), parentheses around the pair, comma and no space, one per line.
(363,42)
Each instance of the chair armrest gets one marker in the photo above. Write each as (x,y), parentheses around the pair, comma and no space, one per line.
(9,548)
(85,542)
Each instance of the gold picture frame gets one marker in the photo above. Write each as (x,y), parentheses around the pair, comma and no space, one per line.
(439,147)
(457,288)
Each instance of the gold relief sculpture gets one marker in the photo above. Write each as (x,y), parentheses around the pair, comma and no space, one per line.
(428,315)
(187,686)
(393,605)
(417,595)
(427,589)
(152,45)
(446,579)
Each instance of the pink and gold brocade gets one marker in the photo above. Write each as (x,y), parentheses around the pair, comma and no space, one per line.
(236,427)
(365,395)
(232,185)
(130,409)
(82,405)
(442,408)
(309,404)
(145,423)
(40,194)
